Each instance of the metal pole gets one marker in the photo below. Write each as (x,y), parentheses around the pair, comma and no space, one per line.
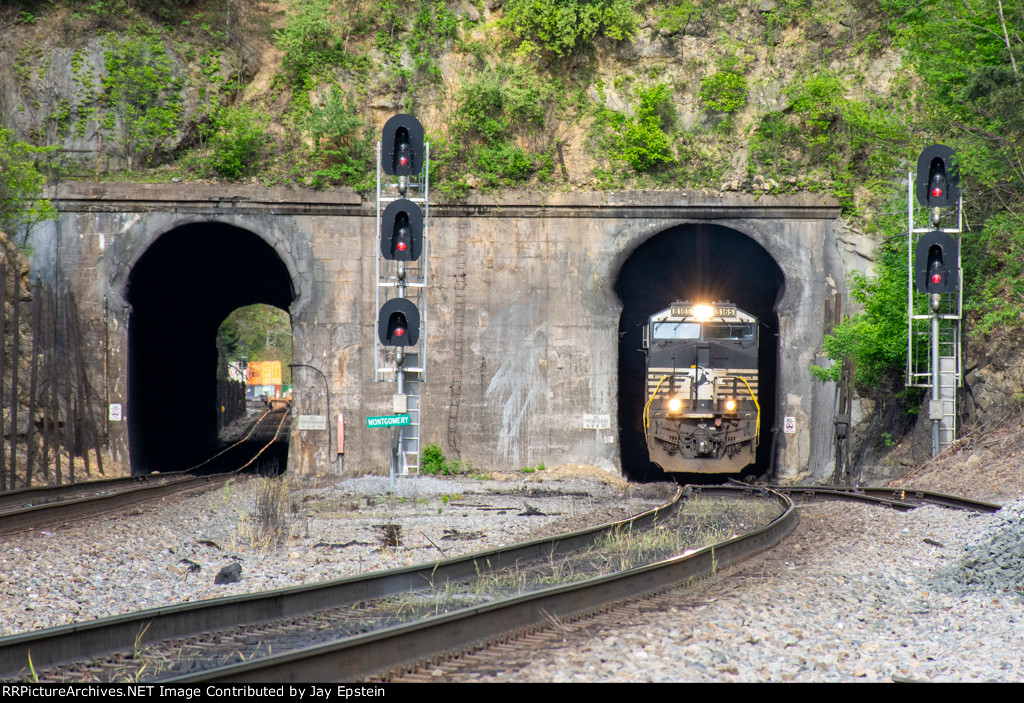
(935,376)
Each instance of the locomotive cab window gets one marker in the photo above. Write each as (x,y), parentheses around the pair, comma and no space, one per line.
(676,330)
(728,331)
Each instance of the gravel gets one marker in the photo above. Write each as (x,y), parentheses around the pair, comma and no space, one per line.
(845,598)
(857,593)
(992,560)
(172,551)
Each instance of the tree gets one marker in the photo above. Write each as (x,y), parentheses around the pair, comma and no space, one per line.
(22,205)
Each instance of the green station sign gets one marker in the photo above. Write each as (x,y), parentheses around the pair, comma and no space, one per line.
(387,421)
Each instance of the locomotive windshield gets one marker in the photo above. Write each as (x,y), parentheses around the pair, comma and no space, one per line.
(729,331)
(677,330)
(692,330)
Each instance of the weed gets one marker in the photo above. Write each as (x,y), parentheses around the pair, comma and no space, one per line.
(432,460)
(390,535)
(272,521)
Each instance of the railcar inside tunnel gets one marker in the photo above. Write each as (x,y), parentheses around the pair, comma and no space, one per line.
(180,291)
(699,263)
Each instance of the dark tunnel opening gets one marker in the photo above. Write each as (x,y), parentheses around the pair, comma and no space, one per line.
(700,263)
(180,291)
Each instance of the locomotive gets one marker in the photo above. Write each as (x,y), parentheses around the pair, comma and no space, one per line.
(702,414)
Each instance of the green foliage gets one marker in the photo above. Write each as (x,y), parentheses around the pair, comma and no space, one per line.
(240,143)
(432,460)
(876,339)
(499,128)
(311,41)
(434,463)
(433,25)
(993,263)
(258,333)
(676,17)
(641,140)
(143,92)
(833,142)
(497,101)
(969,55)
(22,205)
(724,91)
(563,27)
(342,143)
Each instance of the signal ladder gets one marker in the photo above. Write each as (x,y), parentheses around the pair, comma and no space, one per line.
(405,444)
(458,323)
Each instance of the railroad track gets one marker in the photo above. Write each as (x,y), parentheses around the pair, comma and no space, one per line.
(305,608)
(398,648)
(34,508)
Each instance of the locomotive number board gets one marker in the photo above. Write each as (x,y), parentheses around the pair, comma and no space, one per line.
(687,311)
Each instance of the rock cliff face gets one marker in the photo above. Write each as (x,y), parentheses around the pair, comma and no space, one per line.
(108,101)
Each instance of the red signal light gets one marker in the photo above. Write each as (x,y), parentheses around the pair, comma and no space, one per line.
(936,192)
(399,331)
(936,278)
(401,246)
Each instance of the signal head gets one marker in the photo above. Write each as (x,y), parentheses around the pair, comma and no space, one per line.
(401,236)
(936,263)
(402,146)
(938,177)
(398,323)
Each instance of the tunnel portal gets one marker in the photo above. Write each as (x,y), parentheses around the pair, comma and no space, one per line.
(700,263)
(180,291)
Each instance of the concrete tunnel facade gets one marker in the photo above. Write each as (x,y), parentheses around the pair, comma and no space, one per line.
(522,290)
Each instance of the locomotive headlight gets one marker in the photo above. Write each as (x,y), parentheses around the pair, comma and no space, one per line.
(703,312)
(730,405)
(675,405)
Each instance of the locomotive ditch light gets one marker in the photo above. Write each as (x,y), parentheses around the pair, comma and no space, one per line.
(730,405)
(675,405)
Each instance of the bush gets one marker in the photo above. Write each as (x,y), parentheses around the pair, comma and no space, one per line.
(498,128)
(565,26)
(240,143)
(272,517)
(725,91)
(22,204)
(432,460)
(640,140)
(310,41)
(876,339)
(342,145)
(434,463)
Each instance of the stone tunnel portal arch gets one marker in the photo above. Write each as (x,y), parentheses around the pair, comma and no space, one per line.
(180,291)
(695,262)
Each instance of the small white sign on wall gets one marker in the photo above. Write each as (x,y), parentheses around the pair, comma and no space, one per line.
(789,425)
(312,422)
(597,422)
(114,413)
